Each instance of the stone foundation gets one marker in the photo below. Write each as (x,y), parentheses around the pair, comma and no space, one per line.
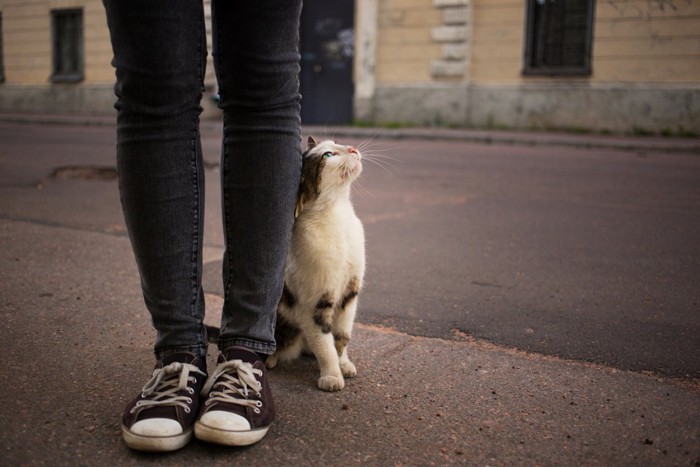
(580,107)
(96,99)
(619,109)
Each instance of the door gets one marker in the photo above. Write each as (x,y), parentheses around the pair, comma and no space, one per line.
(327,49)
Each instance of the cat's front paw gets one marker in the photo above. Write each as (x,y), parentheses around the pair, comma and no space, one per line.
(331,383)
(348,369)
(271,361)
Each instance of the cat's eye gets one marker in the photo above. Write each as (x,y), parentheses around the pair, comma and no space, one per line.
(327,154)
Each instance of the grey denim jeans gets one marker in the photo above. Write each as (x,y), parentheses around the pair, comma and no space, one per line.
(160,57)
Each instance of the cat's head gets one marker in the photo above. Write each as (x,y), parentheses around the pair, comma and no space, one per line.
(327,171)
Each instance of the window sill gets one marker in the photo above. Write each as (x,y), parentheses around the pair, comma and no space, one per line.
(67,78)
(574,72)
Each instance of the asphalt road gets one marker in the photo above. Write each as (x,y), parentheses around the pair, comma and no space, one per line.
(586,254)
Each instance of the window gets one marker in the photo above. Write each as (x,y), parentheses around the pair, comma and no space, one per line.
(558,37)
(67,29)
(2,63)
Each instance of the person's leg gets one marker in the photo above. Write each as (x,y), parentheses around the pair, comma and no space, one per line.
(257,64)
(159,55)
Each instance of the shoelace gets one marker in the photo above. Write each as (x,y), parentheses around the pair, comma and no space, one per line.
(234,389)
(163,387)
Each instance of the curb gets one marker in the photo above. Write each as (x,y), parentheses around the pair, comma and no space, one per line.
(624,143)
(522,138)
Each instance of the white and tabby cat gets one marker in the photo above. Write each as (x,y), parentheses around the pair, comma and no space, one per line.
(325,265)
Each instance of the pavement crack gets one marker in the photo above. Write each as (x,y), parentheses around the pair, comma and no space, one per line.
(487,284)
(115,232)
(104,173)
(84,172)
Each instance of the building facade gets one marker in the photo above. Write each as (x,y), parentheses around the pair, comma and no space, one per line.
(622,65)
(605,65)
(55,57)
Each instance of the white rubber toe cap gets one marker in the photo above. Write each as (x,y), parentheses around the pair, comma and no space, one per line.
(157,427)
(227,421)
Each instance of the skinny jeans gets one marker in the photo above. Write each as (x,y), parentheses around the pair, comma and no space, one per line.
(160,52)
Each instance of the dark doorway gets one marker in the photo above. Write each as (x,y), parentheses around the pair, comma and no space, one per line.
(327,50)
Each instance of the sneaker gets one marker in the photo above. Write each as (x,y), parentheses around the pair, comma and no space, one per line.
(238,409)
(161,418)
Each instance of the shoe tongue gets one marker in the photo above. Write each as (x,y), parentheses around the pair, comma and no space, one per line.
(239,353)
(183,357)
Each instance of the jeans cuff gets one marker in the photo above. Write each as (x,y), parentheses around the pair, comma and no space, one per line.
(198,350)
(255,346)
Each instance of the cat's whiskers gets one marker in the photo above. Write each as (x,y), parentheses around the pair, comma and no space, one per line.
(380,152)
(385,165)
(360,190)
(376,150)
(372,150)
(375,155)
(366,143)
(384,157)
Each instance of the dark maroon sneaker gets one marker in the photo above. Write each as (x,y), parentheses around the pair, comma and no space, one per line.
(238,408)
(162,417)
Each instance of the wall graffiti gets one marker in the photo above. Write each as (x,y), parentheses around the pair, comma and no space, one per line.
(635,9)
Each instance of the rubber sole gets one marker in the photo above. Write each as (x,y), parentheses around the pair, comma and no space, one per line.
(228,438)
(156,443)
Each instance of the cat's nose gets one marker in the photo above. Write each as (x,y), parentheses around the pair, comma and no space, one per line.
(352,150)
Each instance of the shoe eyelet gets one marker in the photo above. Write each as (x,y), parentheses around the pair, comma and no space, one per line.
(188,410)
(258,403)
(189,400)
(138,403)
(257,411)
(190,390)
(143,395)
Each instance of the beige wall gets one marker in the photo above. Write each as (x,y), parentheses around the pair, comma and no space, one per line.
(497,41)
(459,62)
(27,57)
(27,41)
(647,41)
(404,41)
(634,41)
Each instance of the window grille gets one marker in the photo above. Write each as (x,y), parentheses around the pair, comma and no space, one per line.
(558,37)
(67,32)
(2,62)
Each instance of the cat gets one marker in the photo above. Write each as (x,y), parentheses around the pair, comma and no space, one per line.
(325,265)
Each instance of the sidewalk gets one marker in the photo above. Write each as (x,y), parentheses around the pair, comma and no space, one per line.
(627,143)
(77,346)
(76,356)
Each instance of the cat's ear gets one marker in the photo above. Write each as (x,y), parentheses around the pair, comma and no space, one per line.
(310,143)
